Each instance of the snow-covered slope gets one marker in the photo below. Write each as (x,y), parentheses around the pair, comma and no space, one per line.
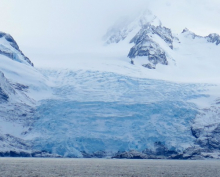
(20,84)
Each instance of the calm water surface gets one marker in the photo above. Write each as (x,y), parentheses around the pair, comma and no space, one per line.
(42,167)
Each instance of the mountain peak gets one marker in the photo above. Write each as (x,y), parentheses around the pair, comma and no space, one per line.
(11,49)
(124,26)
(185,30)
(148,18)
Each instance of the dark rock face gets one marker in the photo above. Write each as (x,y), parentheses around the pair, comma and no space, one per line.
(146,46)
(185,30)
(21,144)
(192,153)
(160,151)
(13,43)
(16,145)
(150,49)
(3,96)
(5,89)
(196,132)
(209,137)
(149,66)
(213,38)
(131,155)
(10,39)
(20,87)
(164,33)
(147,30)
(97,154)
(15,154)
(207,134)
(7,54)
(28,154)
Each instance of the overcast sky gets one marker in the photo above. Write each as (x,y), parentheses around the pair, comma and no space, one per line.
(43,28)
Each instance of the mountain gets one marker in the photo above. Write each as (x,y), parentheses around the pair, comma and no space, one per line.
(20,84)
(155,44)
(124,26)
(164,105)
(10,49)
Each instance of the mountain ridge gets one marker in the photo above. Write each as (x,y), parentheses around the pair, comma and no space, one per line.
(148,42)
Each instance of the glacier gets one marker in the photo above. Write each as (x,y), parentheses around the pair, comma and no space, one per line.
(115,113)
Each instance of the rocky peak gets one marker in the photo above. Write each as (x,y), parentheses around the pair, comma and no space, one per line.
(12,51)
(10,39)
(147,18)
(147,30)
(213,38)
(145,45)
(186,32)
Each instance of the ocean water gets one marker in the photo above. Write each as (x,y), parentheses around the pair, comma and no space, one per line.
(28,167)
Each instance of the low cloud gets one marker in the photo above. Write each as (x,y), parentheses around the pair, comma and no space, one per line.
(48,27)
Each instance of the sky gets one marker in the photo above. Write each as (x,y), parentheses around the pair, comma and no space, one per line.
(49,29)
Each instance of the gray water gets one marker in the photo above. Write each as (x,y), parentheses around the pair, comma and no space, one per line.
(39,167)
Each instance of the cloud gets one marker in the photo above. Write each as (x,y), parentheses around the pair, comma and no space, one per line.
(200,16)
(48,27)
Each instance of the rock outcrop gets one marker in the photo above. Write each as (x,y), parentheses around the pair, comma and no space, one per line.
(213,38)
(5,88)
(147,45)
